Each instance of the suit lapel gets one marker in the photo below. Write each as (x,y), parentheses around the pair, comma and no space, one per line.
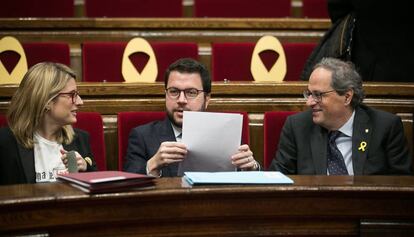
(167,134)
(166,131)
(361,137)
(318,146)
(27,159)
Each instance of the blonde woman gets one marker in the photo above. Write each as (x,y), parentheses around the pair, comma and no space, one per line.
(40,133)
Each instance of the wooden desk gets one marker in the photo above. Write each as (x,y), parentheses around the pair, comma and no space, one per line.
(314,205)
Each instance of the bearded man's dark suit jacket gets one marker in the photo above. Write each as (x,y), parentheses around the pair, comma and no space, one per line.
(143,143)
(303,145)
(17,165)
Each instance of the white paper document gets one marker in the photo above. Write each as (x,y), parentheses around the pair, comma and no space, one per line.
(211,139)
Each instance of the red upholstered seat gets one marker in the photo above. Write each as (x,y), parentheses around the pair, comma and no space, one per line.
(242,8)
(93,124)
(37,52)
(37,8)
(231,61)
(296,56)
(3,120)
(134,8)
(272,126)
(315,9)
(102,61)
(129,120)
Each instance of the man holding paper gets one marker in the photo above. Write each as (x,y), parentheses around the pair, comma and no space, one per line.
(155,148)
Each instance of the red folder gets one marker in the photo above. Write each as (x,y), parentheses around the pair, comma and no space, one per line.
(107,181)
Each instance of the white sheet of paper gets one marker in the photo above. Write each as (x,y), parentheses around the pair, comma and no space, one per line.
(211,139)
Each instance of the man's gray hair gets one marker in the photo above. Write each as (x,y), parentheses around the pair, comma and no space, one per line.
(344,77)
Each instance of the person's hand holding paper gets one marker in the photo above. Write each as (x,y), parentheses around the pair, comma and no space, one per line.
(212,140)
(168,153)
(243,159)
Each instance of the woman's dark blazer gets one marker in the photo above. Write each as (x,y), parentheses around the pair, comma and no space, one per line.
(17,164)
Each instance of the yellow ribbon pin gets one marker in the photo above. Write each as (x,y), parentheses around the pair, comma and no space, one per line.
(362,146)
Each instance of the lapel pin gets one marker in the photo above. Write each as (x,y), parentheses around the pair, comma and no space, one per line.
(362,145)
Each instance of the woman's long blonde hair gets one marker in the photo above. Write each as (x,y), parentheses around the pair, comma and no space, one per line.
(27,108)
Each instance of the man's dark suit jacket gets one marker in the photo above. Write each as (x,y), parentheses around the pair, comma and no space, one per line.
(303,145)
(17,165)
(144,142)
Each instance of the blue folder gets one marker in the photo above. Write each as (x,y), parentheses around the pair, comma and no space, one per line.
(243,177)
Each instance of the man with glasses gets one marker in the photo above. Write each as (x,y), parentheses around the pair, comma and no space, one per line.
(155,148)
(339,135)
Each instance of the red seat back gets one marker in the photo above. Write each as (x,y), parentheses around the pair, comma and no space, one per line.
(102,61)
(272,127)
(296,56)
(231,61)
(3,120)
(36,8)
(242,8)
(134,8)
(315,9)
(37,52)
(93,124)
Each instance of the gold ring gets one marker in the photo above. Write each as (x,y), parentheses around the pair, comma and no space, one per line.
(88,160)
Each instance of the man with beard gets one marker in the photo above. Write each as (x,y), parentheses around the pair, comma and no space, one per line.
(155,148)
(339,135)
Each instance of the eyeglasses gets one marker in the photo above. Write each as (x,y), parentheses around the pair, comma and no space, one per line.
(317,96)
(174,93)
(73,95)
